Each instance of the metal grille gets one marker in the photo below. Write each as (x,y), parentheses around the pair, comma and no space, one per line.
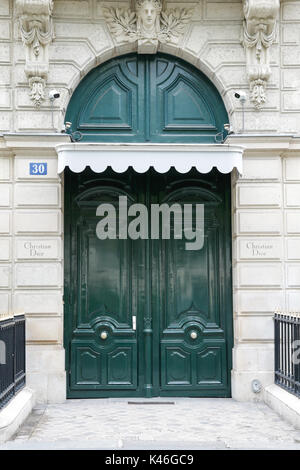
(12,357)
(287,352)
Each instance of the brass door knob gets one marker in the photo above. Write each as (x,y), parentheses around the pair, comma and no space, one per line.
(103,335)
(193,335)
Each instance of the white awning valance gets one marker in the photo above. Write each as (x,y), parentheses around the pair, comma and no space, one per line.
(77,156)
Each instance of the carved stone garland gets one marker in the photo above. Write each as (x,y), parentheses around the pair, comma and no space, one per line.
(36,29)
(259,33)
(147,24)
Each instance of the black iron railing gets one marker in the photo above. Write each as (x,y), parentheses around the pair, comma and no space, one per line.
(12,357)
(287,352)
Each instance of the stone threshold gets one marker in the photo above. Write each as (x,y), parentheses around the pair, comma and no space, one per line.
(15,413)
(283,403)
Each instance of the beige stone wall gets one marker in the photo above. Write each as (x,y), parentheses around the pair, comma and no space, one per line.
(31,257)
(266,253)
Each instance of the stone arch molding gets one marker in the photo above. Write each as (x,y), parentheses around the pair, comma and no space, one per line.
(146,27)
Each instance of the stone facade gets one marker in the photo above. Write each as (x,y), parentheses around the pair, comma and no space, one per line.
(266,252)
(266,199)
(31,270)
(212,41)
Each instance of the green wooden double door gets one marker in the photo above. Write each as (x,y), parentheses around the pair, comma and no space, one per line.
(146,317)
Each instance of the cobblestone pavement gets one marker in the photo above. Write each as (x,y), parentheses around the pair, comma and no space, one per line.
(160,424)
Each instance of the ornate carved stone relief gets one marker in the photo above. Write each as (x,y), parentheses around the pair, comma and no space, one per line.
(147,23)
(259,33)
(36,27)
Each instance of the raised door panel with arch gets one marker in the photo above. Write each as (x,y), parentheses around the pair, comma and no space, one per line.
(110,102)
(193,343)
(186,106)
(106,304)
(106,289)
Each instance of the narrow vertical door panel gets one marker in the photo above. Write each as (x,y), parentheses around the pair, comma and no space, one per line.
(105,290)
(192,289)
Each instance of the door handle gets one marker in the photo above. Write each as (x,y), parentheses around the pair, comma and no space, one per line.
(103,334)
(193,335)
(134,322)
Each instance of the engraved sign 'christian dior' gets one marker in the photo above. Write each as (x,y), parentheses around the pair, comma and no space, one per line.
(37,249)
(260,249)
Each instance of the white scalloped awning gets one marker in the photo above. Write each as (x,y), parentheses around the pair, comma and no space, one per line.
(77,156)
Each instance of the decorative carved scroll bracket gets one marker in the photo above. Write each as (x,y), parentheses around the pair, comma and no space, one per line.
(36,28)
(259,32)
(147,24)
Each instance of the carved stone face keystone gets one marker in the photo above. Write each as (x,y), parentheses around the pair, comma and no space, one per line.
(148,14)
(148,24)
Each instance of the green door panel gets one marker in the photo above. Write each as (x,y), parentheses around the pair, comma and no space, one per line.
(209,365)
(191,288)
(95,367)
(103,288)
(177,370)
(140,98)
(87,364)
(190,293)
(109,102)
(185,106)
(181,299)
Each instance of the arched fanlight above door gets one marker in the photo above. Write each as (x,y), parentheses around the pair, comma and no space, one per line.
(139,98)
